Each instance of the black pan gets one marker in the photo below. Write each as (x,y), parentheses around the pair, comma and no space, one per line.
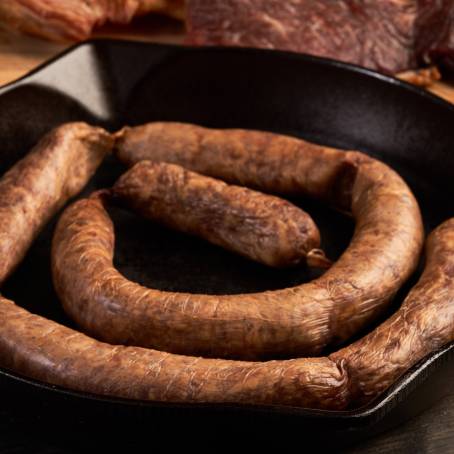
(113,83)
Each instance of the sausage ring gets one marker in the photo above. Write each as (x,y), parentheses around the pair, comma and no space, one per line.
(291,322)
(32,191)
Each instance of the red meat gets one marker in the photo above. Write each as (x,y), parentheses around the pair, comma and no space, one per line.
(386,35)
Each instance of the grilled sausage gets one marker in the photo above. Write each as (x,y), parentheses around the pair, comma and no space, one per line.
(31,192)
(261,227)
(291,322)
(37,186)
(47,351)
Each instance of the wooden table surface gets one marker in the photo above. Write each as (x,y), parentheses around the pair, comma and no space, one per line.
(430,432)
(20,54)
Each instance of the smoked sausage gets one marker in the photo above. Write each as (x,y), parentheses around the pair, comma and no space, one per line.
(261,227)
(296,321)
(44,350)
(38,185)
(423,324)
(291,322)
(47,351)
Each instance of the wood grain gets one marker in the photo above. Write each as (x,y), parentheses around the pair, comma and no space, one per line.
(444,90)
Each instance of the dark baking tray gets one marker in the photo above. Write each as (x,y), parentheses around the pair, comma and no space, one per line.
(113,83)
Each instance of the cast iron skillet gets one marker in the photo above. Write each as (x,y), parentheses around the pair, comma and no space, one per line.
(113,83)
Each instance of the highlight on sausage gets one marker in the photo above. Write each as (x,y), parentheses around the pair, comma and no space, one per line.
(291,322)
(264,228)
(38,185)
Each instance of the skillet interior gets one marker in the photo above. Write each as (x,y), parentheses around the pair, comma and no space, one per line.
(113,83)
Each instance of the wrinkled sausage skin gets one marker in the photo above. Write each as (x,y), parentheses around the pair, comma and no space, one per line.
(52,353)
(38,185)
(268,162)
(116,310)
(424,323)
(261,227)
(47,351)
(296,321)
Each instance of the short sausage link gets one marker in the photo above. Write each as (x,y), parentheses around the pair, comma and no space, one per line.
(264,228)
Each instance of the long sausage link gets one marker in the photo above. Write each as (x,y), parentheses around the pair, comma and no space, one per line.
(47,351)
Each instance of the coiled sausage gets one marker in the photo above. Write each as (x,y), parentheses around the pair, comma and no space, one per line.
(291,322)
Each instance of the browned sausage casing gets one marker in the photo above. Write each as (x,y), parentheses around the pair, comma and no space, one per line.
(290,322)
(423,324)
(38,185)
(269,162)
(47,351)
(44,350)
(261,227)
(52,353)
